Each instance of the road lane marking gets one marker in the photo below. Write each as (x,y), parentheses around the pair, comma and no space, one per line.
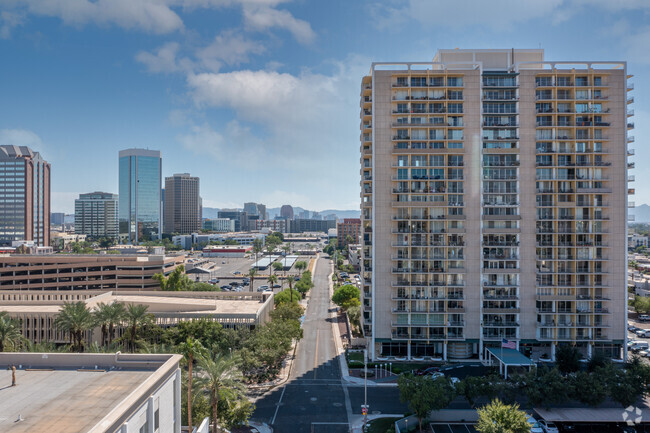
(278,405)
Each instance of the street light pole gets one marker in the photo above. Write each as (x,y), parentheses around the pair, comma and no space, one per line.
(365,387)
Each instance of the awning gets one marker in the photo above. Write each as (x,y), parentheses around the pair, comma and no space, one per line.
(508,358)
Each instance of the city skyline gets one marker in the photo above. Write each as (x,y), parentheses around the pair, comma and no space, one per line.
(266,89)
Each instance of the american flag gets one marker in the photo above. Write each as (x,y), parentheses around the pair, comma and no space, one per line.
(506,344)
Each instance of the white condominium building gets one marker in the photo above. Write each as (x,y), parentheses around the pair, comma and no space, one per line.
(494,191)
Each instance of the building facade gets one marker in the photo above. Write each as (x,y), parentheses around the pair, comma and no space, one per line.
(182,210)
(95,215)
(219,225)
(239,217)
(300,225)
(83,272)
(140,216)
(24,196)
(494,205)
(281,226)
(348,227)
(57,218)
(286,211)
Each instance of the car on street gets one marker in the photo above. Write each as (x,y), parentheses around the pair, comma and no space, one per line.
(277,286)
(263,287)
(236,273)
(548,426)
(534,425)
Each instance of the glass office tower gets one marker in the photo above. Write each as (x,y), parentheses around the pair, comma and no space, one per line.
(139,197)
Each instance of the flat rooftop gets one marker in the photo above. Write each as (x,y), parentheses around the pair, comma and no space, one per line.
(65,392)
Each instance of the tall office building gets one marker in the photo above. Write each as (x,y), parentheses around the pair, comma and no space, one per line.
(57,218)
(140,196)
(182,204)
(494,205)
(251,208)
(95,215)
(24,196)
(286,211)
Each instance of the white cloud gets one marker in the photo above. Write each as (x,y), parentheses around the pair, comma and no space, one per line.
(154,16)
(163,60)
(21,137)
(203,141)
(9,21)
(263,18)
(229,47)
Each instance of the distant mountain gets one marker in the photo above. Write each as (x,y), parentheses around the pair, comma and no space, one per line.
(210,212)
(641,213)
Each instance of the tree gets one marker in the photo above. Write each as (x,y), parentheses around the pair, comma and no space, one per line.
(287,295)
(290,280)
(137,318)
(473,387)
(498,417)
(589,388)
(567,359)
(10,335)
(544,387)
(424,394)
(190,348)
(277,266)
(257,247)
(116,316)
(287,311)
(252,272)
(218,372)
(273,280)
(346,296)
(300,265)
(101,313)
(75,319)
(200,286)
(176,281)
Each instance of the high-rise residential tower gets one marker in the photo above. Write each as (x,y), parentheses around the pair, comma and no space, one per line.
(140,216)
(24,196)
(494,205)
(95,215)
(182,211)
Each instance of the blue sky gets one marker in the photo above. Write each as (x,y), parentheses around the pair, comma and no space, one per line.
(260,98)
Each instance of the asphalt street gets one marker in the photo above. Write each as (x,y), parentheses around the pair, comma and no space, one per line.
(315,399)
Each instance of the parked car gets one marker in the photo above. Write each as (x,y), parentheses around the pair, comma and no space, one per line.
(234,283)
(435,375)
(644,318)
(568,427)
(236,273)
(213,281)
(640,333)
(534,425)
(548,426)
(645,353)
(277,286)
(639,346)
(263,287)
(425,371)
(226,288)
(454,381)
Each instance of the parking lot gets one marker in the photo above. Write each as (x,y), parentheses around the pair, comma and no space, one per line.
(229,269)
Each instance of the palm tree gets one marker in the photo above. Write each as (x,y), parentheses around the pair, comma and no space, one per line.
(270,246)
(290,280)
(257,247)
(101,313)
(287,249)
(136,318)
(76,319)
(251,274)
(190,348)
(116,316)
(273,279)
(219,371)
(10,335)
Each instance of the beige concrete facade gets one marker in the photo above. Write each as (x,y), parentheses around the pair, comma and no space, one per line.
(37,310)
(83,272)
(494,205)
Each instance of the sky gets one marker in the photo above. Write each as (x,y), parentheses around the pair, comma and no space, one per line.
(260,98)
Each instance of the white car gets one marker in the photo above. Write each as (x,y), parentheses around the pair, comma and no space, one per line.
(534,425)
(548,426)
(454,381)
(436,374)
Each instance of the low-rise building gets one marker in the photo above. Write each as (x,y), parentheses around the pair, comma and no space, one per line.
(91,392)
(37,310)
(311,225)
(219,225)
(350,228)
(83,272)
(272,225)
(231,251)
(62,240)
(635,240)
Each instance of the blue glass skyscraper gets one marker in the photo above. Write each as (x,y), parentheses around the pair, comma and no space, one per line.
(139,201)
